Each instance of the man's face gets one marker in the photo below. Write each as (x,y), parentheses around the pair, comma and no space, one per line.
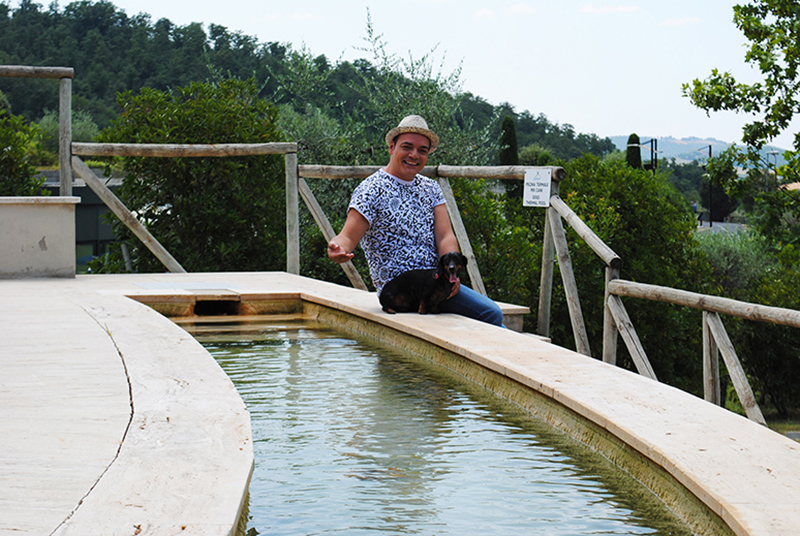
(409,154)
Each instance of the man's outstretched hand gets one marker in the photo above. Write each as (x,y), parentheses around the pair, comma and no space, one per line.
(337,253)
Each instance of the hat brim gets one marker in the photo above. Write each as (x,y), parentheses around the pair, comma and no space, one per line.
(432,137)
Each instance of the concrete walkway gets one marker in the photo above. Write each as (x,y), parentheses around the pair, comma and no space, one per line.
(115,421)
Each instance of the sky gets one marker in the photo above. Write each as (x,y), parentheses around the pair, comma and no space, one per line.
(606,67)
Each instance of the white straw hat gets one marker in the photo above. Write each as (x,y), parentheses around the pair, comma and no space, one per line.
(416,125)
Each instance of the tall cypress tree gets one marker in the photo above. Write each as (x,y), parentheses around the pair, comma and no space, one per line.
(509,155)
(634,154)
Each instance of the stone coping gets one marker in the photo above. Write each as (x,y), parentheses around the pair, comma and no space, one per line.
(115,418)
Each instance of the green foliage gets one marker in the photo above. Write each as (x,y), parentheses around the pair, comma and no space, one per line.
(738,261)
(633,154)
(687,177)
(212,214)
(17,174)
(83,128)
(713,194)
(5,105)
(771,28)
(535,155)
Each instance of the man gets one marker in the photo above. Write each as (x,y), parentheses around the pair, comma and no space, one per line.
(401,220)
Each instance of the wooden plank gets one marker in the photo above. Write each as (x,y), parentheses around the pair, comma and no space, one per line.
(610,332)
(327,231)
(735,370)
(570,286)
(441,171)
(716,304)
(592,240)
(711,385)
(125,215)
(65,136)
(463,239)
(494,172)
(631,338)
(292,216)
(168,150)
(25,71)
(546,281)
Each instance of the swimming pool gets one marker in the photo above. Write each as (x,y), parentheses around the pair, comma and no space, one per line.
(352,436)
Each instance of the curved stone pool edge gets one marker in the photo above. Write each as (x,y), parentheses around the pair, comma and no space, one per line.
(186,455)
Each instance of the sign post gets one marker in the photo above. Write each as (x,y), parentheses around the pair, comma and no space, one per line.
(536,192)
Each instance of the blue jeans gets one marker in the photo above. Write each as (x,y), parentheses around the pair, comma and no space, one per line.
(473,304)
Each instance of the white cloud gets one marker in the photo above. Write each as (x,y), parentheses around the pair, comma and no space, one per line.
(304,16)
(522,9)
(682,21)
(595,10)
(483,13)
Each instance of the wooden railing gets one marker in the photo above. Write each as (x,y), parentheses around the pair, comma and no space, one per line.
(65,76)
(616,321)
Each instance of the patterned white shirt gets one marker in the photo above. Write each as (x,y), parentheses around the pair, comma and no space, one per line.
(400,236)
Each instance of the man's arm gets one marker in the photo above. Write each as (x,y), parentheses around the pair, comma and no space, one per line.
(446,240)
(443,231)
(341,246)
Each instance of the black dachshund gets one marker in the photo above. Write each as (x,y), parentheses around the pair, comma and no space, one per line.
(423,290)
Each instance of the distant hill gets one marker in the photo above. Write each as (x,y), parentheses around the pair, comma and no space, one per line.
(685,149)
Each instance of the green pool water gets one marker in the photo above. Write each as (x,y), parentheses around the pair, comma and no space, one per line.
(355,437)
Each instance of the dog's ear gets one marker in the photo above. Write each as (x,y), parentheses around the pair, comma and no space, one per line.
(463,259)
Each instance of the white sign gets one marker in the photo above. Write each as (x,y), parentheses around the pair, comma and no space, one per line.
(536,192)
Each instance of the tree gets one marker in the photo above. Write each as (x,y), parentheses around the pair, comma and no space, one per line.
(212,214)
(771,28)
(509,154)
(16,171)
(712,193)
(633,155)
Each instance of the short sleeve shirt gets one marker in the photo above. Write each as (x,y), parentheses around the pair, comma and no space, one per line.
(400,236)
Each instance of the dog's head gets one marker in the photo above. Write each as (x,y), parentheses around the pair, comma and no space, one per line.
(450,264)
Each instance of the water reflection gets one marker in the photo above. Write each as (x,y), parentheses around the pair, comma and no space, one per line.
(355,438)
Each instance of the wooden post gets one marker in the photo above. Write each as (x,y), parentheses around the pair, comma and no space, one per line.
(570,286)
(292,216)
(711,386)
(65,136)
(461,234)
(548,265)
(738,376)
(327,230)
(119,209)
(631,338)
(610,331)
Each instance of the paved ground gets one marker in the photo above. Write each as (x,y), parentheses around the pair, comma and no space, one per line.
(115,421)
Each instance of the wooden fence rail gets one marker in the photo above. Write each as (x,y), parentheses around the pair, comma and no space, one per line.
(167,150)
(64,75)
(616,321)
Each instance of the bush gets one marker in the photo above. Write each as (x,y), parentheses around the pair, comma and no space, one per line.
(211,214)
(17,174)
(83,128)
